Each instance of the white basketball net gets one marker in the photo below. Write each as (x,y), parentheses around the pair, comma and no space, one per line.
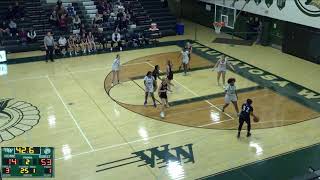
(217,27)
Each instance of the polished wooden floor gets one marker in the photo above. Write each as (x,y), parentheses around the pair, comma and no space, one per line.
(89,127)
(272,109)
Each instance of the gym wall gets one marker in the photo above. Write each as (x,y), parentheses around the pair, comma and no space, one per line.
(277,33)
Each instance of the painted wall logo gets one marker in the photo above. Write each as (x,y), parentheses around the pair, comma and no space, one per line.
(16,118)
(269,3)
(309,7)
(154,157)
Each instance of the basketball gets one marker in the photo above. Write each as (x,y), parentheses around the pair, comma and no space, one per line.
(256,119)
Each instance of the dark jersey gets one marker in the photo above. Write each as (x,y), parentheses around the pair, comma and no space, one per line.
(246,111)
(155,74)
(170,73)
(164,88)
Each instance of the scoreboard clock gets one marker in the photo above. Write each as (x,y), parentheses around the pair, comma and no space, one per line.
(27,162)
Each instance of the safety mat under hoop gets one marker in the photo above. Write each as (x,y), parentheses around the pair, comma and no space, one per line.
(233,41)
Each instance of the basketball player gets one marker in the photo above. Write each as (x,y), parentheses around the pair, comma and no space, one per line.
(231,95)
(185,60)
(72,46)
(221,67)
(77,40)
(91,44)
(169,73)
(84,43)
(162,92)
(189,47)
(156,75)
(246,112)
(116,69)
(149,88)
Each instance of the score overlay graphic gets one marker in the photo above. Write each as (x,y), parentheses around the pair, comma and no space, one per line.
(27,162)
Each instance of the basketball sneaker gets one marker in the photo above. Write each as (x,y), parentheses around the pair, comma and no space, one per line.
(248,134)
(162,115)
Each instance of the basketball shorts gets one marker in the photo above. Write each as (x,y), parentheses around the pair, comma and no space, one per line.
(230,98)
(149,89)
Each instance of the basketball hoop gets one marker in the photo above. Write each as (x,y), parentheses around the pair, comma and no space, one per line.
(217,26)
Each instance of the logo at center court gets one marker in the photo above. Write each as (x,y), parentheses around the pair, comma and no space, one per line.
(154,157)
(16,117)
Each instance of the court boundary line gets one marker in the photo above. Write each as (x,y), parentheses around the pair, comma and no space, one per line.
(70,113)
(26,78)
(65,73)
(192,92)
(98,69)
(143,139)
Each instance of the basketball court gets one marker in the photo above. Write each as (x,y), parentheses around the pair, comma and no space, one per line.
(103,132)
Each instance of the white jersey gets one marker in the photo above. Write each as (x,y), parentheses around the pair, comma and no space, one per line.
(116,64)
(149,83)
(230,90)
(222,66)
(185,57)
(231,95)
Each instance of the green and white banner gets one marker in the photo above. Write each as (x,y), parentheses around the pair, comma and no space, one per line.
(305,12)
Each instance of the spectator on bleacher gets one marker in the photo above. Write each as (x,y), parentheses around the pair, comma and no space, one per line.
(18,11)
(62,43)
(60,10)
(95,28)
(105,16)
(70,10)
(83,29)
(63,24)
(127,6)
(143,40)
(153,27)
(135,39)
(107,6)
(4,29)
(59,4)
(49,46)
(122,24)
(53,18)
(84,43)
(102,40)
(101,7)
(76,22)
(128,39)
(97,19)
(23,36)
(91,42)
(10,13)
(154,33)
(116,38)
(31,35)
(13,28)
(120,14)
